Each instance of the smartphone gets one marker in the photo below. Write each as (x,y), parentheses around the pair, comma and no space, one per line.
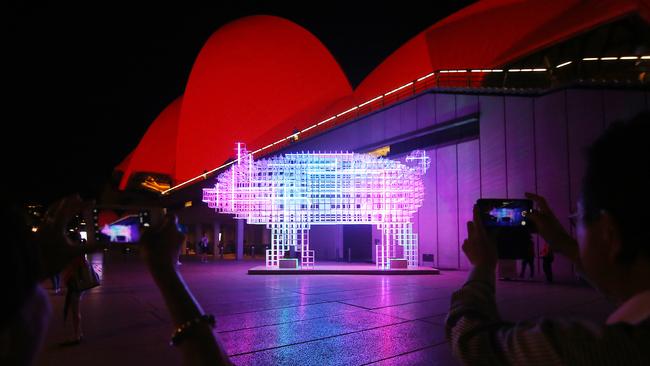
(507,222)
(506,213)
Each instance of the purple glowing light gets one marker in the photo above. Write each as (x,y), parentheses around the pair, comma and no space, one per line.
(290,193)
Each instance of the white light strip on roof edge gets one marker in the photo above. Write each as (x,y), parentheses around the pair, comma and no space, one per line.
(325,121)
(425,77)
(370,101)
(307,129)
(204,175)
(348,111)
(400,88)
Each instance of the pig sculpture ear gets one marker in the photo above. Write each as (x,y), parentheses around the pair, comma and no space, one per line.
(419,161)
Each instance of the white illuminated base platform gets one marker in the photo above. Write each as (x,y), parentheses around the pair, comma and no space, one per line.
(343,268)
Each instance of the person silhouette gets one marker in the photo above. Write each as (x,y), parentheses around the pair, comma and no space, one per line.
(547,262)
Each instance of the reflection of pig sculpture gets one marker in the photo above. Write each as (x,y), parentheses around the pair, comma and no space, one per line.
(292,192)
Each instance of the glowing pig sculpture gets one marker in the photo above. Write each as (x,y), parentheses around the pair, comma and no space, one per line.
(290,193)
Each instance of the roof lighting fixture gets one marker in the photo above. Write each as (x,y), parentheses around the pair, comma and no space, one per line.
(348,111)
(325,121)
(381,96)
(426,76)
(307,129)
(293,137)
(400,88)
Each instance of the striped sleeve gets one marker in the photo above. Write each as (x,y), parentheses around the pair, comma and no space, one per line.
(479,337)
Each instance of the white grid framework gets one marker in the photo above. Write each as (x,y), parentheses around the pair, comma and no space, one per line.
(290,193)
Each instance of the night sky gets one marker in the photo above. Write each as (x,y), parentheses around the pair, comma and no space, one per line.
(84,82)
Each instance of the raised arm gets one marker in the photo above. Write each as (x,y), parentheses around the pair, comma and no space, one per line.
(478,336)
(199,345)
(549,227)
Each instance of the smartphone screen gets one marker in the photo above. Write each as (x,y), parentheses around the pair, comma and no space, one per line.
(506,220)
(505,213)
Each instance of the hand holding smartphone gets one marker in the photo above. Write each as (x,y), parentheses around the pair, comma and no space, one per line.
(507,222)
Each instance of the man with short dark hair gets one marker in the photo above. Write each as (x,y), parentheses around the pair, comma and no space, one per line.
(612,250)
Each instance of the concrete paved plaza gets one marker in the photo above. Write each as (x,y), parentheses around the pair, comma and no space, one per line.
(290,319)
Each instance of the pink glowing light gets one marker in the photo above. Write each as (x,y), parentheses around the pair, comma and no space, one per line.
(290,193)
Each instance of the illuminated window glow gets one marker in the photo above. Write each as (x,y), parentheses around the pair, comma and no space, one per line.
(290,193)
(154,185)
(381,151)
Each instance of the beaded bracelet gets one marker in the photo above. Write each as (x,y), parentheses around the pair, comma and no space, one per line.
(181,332)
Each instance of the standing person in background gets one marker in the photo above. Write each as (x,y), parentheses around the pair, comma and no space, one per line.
(73,299)
(547,262)
(56,283)
(78,277)
(204,244)
(528,261)
(30,258)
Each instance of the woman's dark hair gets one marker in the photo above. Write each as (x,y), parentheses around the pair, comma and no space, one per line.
(19,261)
(617,181)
